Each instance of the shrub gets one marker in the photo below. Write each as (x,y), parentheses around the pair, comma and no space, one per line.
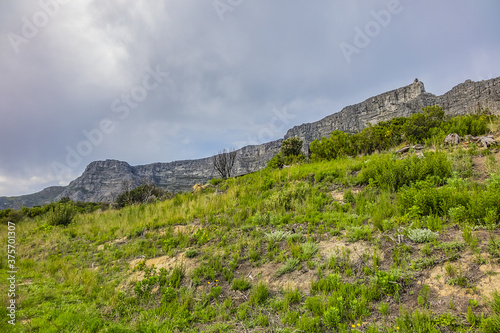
(277,235)
(292,296)
(309,249)
(291,147)
(141,194)
(277,162)
(177,275)
(389,173)
(337,145)
(215,181)
(191,253)
(423,296)
(240,284)
(290,265)
(418,126)
(260,293)
(422,235)
(290,153)
(62,214)
(332,317)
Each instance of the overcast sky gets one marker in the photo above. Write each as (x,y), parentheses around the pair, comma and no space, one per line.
(163,80)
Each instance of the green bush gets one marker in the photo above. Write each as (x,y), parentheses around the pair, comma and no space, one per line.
(391,173)
(422,235)
(332,317)
(241,284)
(418,126)
(290,153)
(291,147)
(260,293)
(63,214)
(337,145)
(429,125)
(277,162)
(141,194)
(290,265)
(191,253)
(215,181)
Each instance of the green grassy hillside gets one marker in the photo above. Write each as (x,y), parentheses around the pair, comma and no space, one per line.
(380,242)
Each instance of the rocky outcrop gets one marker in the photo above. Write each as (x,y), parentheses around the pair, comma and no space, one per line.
(103,180)
(470,96)
(465,98)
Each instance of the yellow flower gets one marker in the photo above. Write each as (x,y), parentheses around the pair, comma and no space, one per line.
(353,325)
(359,324)
(397,328)
(208,282)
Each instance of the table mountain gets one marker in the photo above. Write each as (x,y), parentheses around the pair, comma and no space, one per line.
(103,180)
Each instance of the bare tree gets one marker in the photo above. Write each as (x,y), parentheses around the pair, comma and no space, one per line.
(224,162)
(127,186)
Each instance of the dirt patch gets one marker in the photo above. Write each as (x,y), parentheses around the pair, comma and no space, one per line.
(181,228)
(338,194)
(479,167)
(299,279)
(334,246)
(165,262)
(483,281)
(168,262)
(115,241)
(490,281)
(187,229)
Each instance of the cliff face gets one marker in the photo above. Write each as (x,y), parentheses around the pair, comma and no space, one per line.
(103,180)
(465,98)
(470,96)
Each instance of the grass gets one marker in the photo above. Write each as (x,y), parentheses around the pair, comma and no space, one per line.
(223,262)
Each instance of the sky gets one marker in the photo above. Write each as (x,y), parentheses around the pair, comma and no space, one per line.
(157,81)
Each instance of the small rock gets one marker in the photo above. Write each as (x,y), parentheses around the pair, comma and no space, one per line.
(452,139)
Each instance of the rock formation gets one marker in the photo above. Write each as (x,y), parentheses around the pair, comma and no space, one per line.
(465,98)
(103,180)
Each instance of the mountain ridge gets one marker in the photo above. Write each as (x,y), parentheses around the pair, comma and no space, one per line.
(103,180)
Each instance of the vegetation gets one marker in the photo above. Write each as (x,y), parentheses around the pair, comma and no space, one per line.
(290,153)
(429,127)
(223,162)
(145,193)
(346,242)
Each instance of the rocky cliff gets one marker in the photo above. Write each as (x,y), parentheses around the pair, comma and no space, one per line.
(103,180)
(467,97)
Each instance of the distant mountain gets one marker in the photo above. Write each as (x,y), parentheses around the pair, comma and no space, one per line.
(103,180)
(45,196)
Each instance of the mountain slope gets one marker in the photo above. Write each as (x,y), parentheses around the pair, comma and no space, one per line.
(45,196)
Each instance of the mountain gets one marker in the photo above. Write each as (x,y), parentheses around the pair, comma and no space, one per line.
(45,196)
(465,98)
(104,180)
